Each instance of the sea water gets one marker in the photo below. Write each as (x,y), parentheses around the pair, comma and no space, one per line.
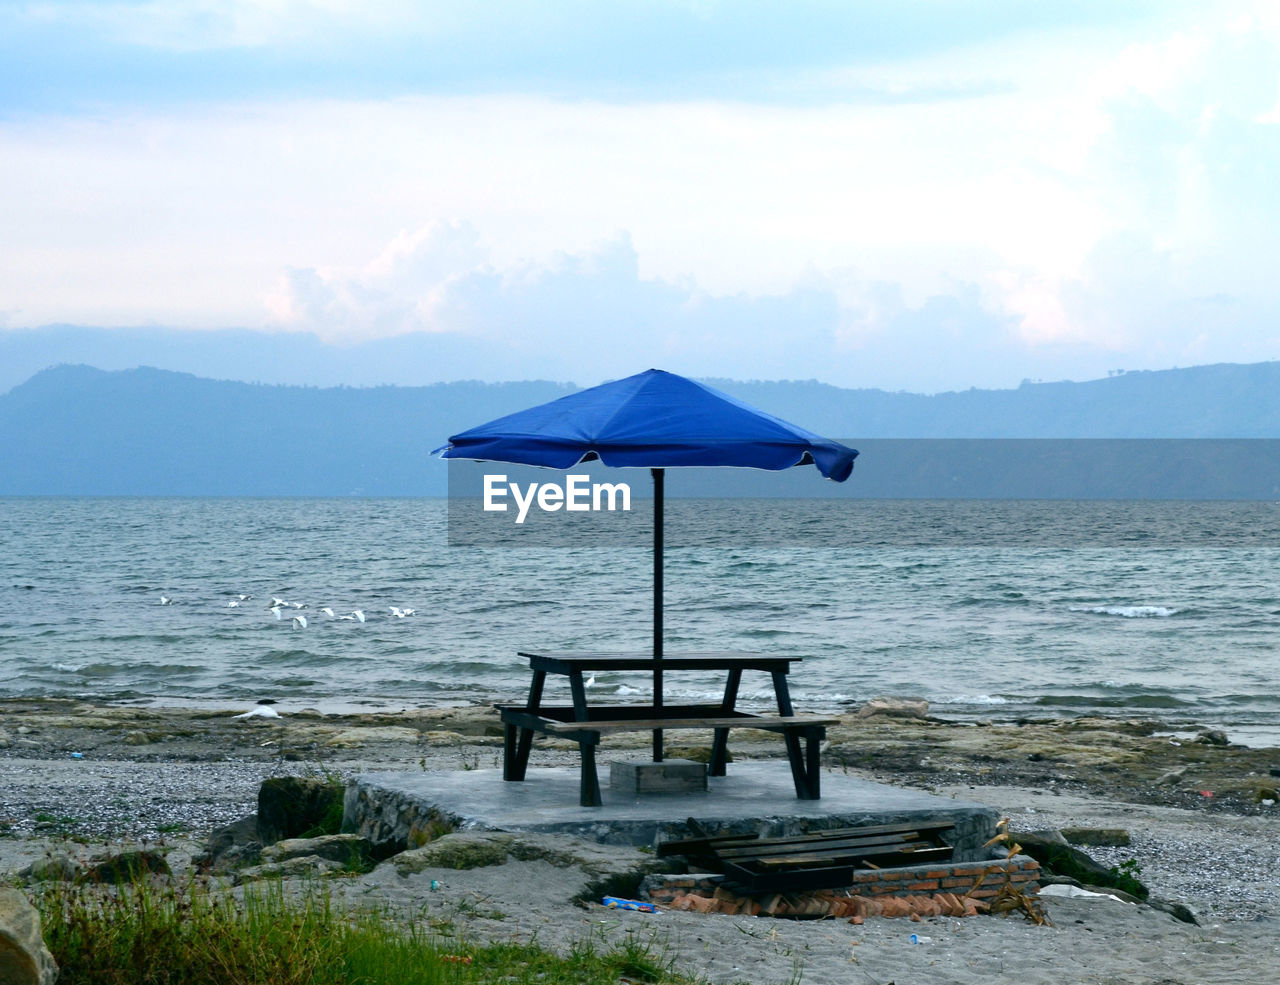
(1168,624)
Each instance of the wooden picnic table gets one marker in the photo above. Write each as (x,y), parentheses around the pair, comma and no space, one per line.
(586,723)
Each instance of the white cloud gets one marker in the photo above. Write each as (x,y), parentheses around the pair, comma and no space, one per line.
(1113,197)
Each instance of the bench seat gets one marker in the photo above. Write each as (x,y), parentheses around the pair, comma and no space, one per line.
(520,724)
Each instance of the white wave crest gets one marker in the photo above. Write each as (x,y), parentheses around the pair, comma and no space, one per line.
(973,699)
(1128,611)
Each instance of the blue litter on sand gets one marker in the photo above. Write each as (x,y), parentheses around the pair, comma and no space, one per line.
(614,903)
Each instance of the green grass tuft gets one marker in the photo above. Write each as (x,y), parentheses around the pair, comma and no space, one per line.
(142,935)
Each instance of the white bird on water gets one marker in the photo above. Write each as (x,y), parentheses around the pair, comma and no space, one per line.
(328,612)
(275,610)
(165,600)
(400,613)
(233,604)
(259,711)
(299,622)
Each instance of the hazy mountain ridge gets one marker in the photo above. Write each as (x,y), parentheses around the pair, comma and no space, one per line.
(75,430)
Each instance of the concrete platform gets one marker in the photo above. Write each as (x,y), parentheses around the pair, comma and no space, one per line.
(395,808)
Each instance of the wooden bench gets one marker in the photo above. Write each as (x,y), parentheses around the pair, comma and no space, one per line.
(520,724)
(818,859)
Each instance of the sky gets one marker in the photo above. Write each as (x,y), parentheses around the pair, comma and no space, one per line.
(921,195)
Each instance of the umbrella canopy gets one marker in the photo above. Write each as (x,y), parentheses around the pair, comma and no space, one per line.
(655,420)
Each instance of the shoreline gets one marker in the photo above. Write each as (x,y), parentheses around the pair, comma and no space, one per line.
(1252,735)
(1141,760)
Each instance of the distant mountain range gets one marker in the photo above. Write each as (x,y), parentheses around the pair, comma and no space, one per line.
(75,430)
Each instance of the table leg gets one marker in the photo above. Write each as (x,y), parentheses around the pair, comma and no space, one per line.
(517,742)
(782,692)
(794,754)
(589,783)
(579,692)
(813,765)
(535,692)
(508,751)
(720,744)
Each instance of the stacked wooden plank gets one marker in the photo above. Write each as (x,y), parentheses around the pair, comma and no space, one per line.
(816,860)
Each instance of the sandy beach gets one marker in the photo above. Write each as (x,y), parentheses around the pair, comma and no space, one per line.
(85,779)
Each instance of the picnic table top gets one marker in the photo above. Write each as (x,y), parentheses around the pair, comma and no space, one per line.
(564,662)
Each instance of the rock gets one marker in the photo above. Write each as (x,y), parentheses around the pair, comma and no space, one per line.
(461,850)
(5,740)
(24,960)
(895,708)
(344,849)
(1102,837)
(380,733)
(1213,737)
(443,737)
(125,867)
(291,806)
(607,870)
(231,846)
(1176,910)
(1052,851)
(302,867)
(1172,777)
(53,868)
(136,738)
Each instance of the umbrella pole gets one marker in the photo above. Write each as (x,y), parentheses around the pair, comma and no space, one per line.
(658,481)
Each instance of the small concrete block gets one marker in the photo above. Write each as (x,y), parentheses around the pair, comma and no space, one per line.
(668,776)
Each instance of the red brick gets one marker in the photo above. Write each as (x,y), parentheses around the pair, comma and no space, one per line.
(923,886)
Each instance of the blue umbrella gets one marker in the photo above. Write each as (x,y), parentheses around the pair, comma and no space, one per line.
(654,420)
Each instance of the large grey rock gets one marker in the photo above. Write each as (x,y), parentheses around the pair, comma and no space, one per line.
(605,869)
(343,849)
(302,867)
(107,869)
(231,847)
(356,737)
(125,867)
(58,867)
(24,960)
(1056,856)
